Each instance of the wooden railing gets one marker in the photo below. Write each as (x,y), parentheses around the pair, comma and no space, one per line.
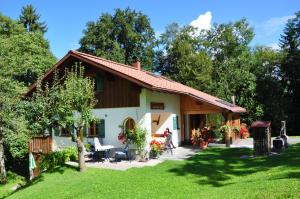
(40,144)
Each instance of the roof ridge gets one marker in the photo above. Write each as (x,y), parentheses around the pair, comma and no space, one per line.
(107,60)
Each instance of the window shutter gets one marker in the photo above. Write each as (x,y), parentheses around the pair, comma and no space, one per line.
(99,82)
(175,123)
(56,131)
(101,128)
(84,131)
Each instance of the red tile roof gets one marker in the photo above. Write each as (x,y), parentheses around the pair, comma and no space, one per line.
(147,79)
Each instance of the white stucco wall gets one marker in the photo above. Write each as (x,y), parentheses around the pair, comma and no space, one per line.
(172,106)
(115,116)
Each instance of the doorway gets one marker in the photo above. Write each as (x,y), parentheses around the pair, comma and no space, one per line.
(193,121)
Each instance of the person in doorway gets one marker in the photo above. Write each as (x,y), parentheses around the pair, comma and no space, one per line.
(169,141)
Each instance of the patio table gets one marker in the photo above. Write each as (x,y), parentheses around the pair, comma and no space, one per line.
(106,149)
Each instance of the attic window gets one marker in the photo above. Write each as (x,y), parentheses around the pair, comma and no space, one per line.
(99,82)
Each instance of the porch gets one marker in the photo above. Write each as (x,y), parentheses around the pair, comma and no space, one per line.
(197,114)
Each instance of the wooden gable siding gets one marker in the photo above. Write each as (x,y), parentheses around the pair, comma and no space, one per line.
(117,92)
(189,105)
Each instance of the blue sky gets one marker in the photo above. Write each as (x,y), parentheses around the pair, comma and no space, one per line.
(66,19)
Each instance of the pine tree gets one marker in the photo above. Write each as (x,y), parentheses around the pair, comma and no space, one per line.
(31,19)
(290,68)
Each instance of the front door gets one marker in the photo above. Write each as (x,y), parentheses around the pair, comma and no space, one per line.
(192,122)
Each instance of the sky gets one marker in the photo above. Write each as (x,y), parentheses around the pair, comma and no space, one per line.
(66,19)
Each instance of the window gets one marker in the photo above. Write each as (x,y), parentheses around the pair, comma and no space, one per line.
(66,132)
(97,129)
(128,124)
(99,82)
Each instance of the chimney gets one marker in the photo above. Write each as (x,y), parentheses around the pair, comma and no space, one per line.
(233,99)
(136,63)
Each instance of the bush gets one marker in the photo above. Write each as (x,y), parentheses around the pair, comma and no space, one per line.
(71,153)
(58,158)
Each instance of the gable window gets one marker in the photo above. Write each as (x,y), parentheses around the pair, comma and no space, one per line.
(99,83)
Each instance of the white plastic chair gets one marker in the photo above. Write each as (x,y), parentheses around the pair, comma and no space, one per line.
(105,148)
(99,147)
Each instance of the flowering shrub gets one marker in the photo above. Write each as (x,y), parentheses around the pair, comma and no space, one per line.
(156,148)
(201,137)
(122,138)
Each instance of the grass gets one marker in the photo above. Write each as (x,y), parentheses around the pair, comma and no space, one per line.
(215,173)
(13,180)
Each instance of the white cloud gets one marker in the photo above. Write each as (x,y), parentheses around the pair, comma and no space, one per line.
(203,22)
(274,46)
(275,24)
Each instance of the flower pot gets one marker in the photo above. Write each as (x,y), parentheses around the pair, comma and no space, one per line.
(203,145)
(154,154)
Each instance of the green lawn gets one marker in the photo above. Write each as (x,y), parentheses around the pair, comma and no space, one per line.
(13,179)
(216,173)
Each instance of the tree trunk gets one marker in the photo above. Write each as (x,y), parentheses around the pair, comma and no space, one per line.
(227,139)
(2,164)
(80,148)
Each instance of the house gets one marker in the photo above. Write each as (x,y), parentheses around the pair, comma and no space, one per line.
(128,95)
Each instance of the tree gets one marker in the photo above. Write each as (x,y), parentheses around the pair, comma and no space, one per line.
(20,52)
(119,37)
(269,88)
(13,126)
(31,20)
(228,44)
(23,56)
(9,27)
(290,44)
(76,100)
(182,59)
(66,102)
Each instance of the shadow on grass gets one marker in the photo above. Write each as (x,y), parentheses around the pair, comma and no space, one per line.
(216,166)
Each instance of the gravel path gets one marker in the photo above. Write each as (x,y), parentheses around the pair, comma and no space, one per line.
(180,153)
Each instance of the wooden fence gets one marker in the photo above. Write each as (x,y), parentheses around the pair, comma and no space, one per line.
(40,144)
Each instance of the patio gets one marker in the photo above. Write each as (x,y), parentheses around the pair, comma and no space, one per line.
(180,153)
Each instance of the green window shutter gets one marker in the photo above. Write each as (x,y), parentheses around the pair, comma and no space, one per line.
(101,128)
(99,82)
(84,131)
(56,131)
(175,123)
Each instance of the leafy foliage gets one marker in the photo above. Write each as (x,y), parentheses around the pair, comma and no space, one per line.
(138,138)
(24,56)
(290,43)
(13,131)
(119,37)
(184,60)
(218,61)
(58,158)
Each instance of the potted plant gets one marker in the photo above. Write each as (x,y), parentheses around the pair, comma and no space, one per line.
(225,130)
(156,148)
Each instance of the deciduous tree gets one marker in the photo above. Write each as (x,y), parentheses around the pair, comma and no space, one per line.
(119,37)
